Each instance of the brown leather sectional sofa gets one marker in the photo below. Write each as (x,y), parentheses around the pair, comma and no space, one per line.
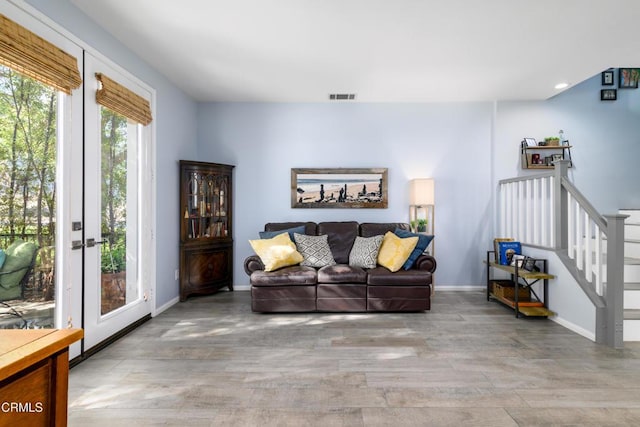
(340,288)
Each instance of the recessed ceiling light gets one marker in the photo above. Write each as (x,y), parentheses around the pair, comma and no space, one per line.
(562,85)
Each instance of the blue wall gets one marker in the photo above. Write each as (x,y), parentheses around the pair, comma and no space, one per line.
(466,147)
(449,142)
(605,139)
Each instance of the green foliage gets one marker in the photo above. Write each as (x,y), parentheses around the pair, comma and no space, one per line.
(28,153)
(419,224)
(114,255)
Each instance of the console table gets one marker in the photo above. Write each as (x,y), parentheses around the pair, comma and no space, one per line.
(34,376)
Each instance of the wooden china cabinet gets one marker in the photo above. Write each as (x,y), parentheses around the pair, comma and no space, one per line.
(206,228)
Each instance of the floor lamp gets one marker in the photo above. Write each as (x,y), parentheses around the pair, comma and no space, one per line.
(422,200)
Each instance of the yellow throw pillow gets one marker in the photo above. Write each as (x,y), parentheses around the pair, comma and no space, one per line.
(276,252)
(395,251)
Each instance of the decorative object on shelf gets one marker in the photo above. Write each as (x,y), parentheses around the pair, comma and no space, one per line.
(542,155)
(552,141)
(506,251)
(628,78)
(531,142)
(419,225)
(496,246)
(529,264)
(422,206)
(206,228)
(339,188)
(607,78)
(608,94)
(517,260)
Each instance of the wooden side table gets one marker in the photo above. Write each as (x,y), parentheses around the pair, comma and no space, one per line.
(34,376)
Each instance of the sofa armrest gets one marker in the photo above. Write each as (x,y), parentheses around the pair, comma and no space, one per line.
(426,262)
(253,263)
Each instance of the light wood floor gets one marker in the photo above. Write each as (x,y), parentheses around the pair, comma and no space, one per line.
(467,362)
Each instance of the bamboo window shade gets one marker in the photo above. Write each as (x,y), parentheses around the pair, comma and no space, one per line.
(33,56)
(122,100)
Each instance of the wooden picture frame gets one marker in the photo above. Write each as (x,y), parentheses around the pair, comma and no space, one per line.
(607,78)
(608,94)
(339,188)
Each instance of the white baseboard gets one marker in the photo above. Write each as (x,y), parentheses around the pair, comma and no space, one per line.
(574,328)
(164,307)
(459,288)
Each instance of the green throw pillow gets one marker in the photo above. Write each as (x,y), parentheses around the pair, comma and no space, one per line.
(18,258)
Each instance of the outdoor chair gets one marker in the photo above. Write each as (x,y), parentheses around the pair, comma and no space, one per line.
(17,263)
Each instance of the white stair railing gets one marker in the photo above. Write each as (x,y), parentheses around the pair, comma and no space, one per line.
(547,211)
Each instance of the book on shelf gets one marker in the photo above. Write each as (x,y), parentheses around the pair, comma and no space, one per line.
(496,248)
(506,251)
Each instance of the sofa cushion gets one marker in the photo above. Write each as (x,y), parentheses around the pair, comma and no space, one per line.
(395,251)
(423,242)
(341,273)
(309,227)
(314,249)
(296,275)
(276,252)
(269,234)
(369,229)
(341,236)
(364,252)
(381,276)
(19,256)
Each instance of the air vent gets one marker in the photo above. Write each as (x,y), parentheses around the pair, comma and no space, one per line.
(342,96)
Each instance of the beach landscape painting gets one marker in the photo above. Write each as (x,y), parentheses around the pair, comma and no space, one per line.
(339,188)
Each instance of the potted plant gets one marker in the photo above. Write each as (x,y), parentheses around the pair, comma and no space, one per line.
(552,141)
(420,225)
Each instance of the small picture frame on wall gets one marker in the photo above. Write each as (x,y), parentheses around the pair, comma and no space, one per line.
(607,78)
(608,94)
(628,78)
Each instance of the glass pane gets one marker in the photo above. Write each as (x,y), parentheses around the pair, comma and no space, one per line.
(119,168)
(28,155)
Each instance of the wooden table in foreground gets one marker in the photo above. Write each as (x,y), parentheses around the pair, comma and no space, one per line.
(34,376)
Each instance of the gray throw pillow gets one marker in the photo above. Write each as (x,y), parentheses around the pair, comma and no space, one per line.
(315,250)
(364,252)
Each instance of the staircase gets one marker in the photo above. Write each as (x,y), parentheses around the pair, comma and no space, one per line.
(631,275)
(547,212)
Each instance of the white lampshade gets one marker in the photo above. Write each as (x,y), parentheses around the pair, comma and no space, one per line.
(422,191)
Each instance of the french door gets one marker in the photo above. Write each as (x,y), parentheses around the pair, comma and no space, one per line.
(117,216)
(84,176)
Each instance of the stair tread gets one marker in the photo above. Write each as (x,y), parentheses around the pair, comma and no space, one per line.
(632,286)
(631,314)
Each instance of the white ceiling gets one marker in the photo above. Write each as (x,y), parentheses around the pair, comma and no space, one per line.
(382,50)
